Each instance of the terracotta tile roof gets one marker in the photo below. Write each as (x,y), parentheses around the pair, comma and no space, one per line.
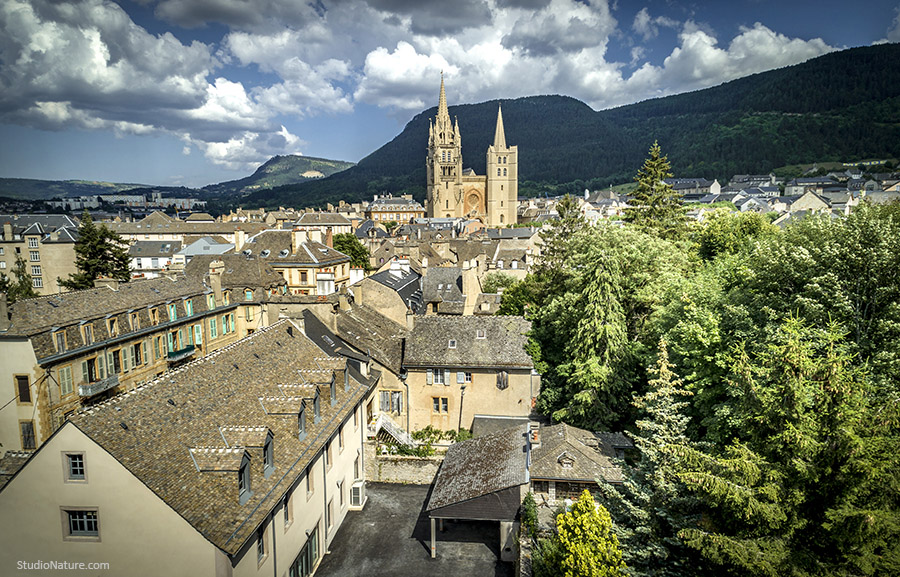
(479,467)
(502,344)
(169,433)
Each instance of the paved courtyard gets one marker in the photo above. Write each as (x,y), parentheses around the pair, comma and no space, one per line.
(392,536)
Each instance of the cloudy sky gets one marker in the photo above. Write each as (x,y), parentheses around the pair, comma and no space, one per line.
(199,91)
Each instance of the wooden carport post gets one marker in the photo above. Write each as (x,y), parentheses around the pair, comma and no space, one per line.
(433,554)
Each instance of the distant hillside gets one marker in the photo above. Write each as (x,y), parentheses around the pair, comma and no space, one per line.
(32,189)
(280,171)
(843,106)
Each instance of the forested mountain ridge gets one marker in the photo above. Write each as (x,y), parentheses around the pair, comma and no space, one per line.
(842,106)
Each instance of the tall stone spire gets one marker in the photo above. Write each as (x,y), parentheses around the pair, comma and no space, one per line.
(499,136)
(442,101)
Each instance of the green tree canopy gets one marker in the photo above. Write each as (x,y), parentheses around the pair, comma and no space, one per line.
(19,285)
(99,252)
(493,281)
(347,243)
(655,206)
(584,544)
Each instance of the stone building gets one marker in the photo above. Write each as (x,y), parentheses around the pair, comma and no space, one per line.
(63,352)
(455,192)
(244,462)
(47,244)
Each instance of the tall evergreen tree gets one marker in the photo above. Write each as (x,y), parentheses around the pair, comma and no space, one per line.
(655,206)
(653,504)
(20,287)
(99,252)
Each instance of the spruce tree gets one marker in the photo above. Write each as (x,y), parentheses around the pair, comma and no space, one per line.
(655,206)
(653,504)
(99,252)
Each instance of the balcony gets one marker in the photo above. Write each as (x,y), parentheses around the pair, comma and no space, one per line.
(181,354)
(91,389)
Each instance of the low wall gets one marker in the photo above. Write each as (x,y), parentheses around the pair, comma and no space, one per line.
(400,469)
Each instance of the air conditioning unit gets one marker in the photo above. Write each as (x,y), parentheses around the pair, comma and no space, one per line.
(358,495)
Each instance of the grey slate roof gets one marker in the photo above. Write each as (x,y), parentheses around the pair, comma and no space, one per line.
(503,345)
(408,286)
(480,466)
(443,285)
(278,243)
(153,248)
(240,271)
(368,331)
(222,389)
(322,219)
(590,455)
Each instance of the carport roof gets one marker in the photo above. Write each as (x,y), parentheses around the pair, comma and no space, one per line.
(481,466)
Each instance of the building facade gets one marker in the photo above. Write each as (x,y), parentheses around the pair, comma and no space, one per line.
(204,471)
(45,242)
(457,193)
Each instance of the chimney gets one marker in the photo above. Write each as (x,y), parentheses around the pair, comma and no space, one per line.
(4,312)
(298,237)
(344,301)
(404,266)
(216,268)
(7,231)
(240,238)
(395,269)
(108,282)
(329,241)
(424,262)
(534,434)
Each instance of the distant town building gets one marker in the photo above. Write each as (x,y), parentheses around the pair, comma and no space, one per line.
(47,244)
(386,208)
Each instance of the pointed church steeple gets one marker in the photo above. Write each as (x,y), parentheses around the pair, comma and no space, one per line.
(442,101)
(499,135)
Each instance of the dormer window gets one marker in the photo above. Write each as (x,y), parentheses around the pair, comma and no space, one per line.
(333,392)
(135,321)
(227,297)
(248,295)
(244,481)
(316,408)
(189,307)
(301,423)
(87,333)
(173,312)
(113,326)
(268,457)
(480,334)
(210,302)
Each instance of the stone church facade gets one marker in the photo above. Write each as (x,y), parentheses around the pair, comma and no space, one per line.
(454,192)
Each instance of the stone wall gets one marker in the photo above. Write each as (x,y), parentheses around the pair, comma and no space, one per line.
(400,469)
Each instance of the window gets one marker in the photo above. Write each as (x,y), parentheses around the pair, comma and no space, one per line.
(340,488)
(437,376)
(213,328)
(310,484)
(502,380)
(226,297)
(65,380)
(37,282)
(23,388)
(329,459)
(188,308)
(301,422)
(60,338)
(211,301)
(303,277)
(498,172)
(36,269)
(504,172)
(288,506)
(154,316)
(440,405)
(74,467)
(355,420)
(32,243)
(87,333)
(341,439)
(463,377)
(268,458)
(135,321)
(392,402)
(356,467)
(316,408)
(157,347)
(305,562)
(451,344)
(329,514)
(2,264)
(244,481)
(34,256)
(261,545)
(248,295)
(113,326)
(480,334)
(26,428)
(81,523)
(173,312)
(248,314)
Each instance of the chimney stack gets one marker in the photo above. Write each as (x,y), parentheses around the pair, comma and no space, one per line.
(298,237)
(216,268)
(240,238)
(329,240)
(108,282)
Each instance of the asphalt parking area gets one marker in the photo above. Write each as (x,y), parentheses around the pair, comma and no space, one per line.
(392,536)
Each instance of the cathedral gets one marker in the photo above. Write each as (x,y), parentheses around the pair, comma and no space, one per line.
(453,192)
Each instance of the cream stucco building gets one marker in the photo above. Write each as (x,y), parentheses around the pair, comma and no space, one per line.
(455,192)
(244,462)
